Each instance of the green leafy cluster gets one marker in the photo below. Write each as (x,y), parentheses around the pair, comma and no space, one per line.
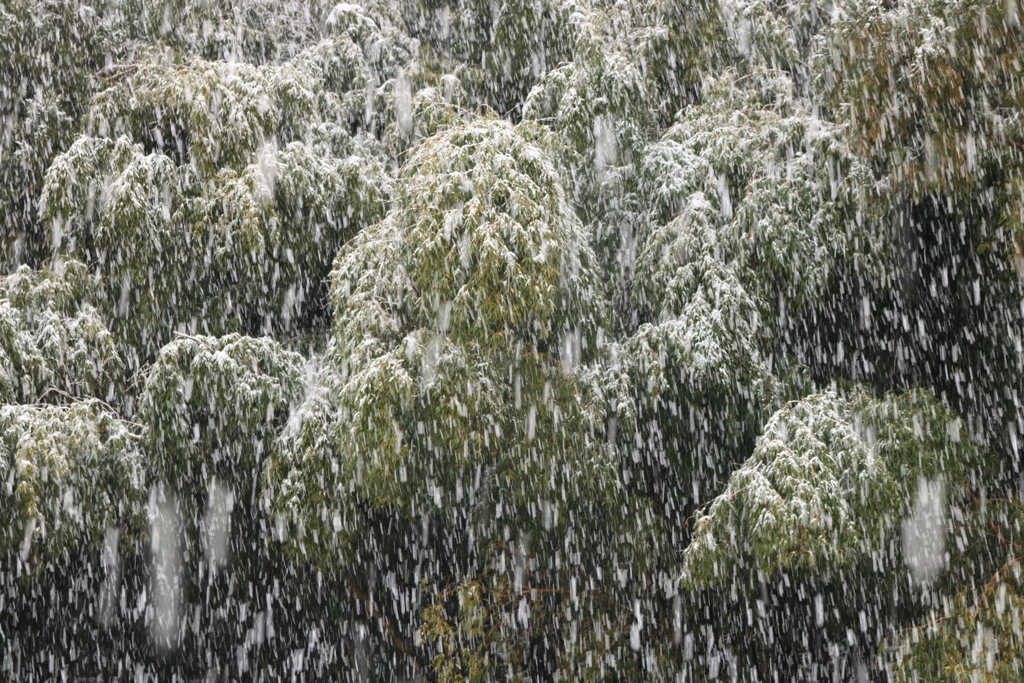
(71,472)
(929,89)
(235,215)
(829,478)
(52,49)
(460,314)
(53,344)
(212,407)
(978,632)
(787,199)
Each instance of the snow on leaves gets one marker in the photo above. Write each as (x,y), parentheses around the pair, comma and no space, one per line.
(54,345)
(929,89)
(549,260)
(212,406)
(51,50)
(446,365)
(231,203)
(71,473)
(790,197)
(495,253)
(829,479)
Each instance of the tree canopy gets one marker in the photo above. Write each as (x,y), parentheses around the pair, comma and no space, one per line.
(459,341)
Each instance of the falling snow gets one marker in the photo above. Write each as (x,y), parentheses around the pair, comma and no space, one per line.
(473,340)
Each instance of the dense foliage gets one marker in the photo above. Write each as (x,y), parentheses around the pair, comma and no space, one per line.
(456,340)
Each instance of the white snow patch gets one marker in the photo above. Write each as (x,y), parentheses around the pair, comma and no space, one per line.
(924,532)
(220,502)
(165,571)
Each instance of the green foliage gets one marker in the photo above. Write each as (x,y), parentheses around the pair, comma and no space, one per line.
(254,31)
(557,267)
(829,479)
(463,655)
(233,217)
(976,632)
(362,52)
(598,105)
(212,407)
(476,630)
(482,246)
(53,345)
(72,472)
(680,278)
(928,88)
(453,388)
(752,204)
(50,51)
(503,48)
(697,368)
(976,641)
(682,43)
(459,320)
(791,199)
(303,487)
(764,38)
